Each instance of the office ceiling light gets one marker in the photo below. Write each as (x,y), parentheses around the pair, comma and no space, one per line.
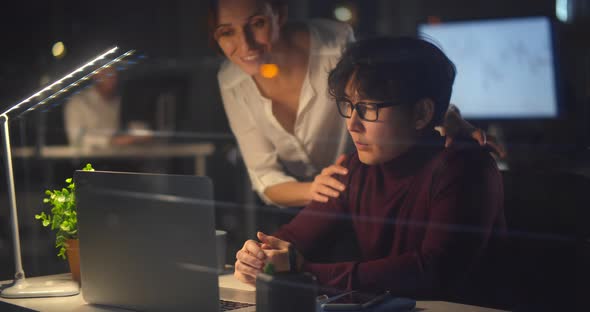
(573,11)
(58,50)
(343,14)
(562,10)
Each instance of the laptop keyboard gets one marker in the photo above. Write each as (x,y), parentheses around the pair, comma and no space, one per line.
(232,305)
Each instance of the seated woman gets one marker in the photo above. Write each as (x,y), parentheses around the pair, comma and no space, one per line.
(422,215)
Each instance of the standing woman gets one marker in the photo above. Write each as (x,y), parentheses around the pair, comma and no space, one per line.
(275,94)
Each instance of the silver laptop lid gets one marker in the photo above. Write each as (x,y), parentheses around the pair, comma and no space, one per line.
(147,241)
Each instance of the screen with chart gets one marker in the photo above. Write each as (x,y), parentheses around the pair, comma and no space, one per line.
(505,67)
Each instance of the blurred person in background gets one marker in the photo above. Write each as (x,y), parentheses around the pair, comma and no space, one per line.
(93,116)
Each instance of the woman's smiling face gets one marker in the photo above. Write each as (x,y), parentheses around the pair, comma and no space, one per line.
(246,31)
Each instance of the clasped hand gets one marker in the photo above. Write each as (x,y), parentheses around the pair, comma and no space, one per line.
(251,259)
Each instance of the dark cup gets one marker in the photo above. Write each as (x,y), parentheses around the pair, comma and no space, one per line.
(286,292)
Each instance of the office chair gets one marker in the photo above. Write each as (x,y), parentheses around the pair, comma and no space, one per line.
(543,263)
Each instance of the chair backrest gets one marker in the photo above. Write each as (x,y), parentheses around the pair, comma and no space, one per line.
(546,254)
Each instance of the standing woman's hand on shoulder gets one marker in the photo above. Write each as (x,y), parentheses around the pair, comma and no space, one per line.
(326,185)
(455,126)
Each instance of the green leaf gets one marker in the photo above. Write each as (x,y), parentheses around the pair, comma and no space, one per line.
(62,216)
(59,240)
(55,222)
(62,253)
(65,226)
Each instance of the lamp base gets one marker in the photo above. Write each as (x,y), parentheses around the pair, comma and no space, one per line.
(44,286)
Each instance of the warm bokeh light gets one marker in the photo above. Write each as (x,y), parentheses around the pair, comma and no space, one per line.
(343,14)
(58,50)
(269,70)
(434,20)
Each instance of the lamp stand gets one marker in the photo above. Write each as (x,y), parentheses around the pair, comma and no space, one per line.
(23,288)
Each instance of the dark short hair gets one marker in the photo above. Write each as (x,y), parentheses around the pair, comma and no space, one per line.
(405,69)
(213,12)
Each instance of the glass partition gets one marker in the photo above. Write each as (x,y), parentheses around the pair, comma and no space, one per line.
(249,96)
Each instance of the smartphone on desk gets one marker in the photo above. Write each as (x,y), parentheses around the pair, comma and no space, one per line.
(354,301)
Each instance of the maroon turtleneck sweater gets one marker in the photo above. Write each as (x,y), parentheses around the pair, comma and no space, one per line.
(421,221)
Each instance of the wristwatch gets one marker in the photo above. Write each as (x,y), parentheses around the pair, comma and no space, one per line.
(292,259)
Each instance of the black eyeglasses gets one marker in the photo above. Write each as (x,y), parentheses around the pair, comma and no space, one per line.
(367,111)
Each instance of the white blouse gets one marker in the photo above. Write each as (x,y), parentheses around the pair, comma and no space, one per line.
(90,120)
(273,155)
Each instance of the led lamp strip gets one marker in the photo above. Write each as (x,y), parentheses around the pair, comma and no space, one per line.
(85,78)
(69,76)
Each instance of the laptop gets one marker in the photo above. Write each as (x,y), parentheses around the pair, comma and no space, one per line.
(147,242)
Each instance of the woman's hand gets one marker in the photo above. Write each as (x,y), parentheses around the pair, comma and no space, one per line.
(249,262)
(251,259)
(455,126)
(325,185)
(277,252)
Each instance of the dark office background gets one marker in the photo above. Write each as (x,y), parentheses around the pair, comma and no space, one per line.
(173,36)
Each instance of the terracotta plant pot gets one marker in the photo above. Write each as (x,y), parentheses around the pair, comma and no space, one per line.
(73,254)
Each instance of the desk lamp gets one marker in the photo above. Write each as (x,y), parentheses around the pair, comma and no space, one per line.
(23,288)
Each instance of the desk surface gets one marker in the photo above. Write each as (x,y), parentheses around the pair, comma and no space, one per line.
(230,289)
(149,150)
(139,150)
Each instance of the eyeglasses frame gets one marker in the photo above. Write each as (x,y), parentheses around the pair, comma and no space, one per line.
(378,105)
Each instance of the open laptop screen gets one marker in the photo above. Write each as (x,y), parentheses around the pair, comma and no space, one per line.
(147,241)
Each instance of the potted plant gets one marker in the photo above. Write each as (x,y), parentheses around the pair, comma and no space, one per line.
(63,219)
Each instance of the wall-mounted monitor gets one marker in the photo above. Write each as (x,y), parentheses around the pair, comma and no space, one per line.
(506,68)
